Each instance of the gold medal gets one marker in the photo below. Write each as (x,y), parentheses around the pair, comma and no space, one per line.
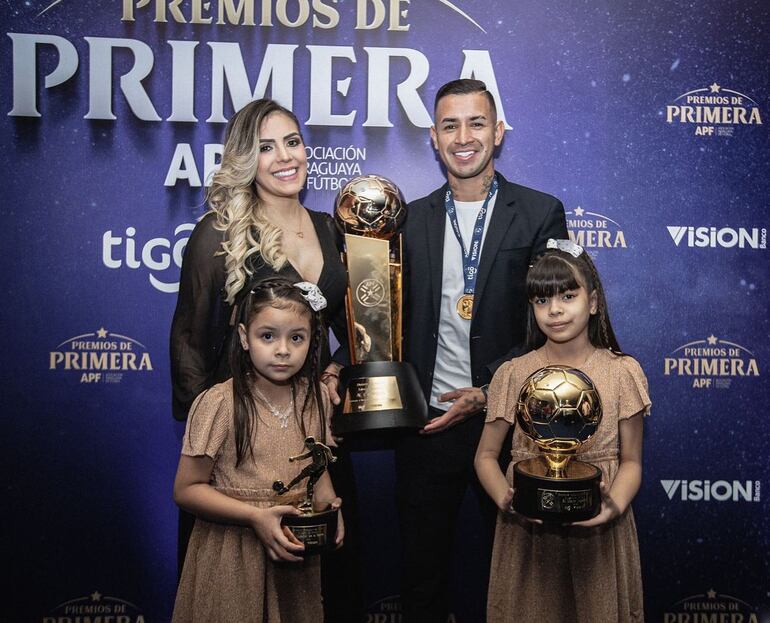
(465,306)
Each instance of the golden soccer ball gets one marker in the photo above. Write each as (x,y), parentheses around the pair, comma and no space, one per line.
(370,205)
(559,409)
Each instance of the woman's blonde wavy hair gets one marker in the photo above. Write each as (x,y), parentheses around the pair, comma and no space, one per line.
(233,197)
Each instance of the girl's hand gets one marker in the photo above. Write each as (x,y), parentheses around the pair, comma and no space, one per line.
(609,510)
(506,506)
(336,505)
(278,540)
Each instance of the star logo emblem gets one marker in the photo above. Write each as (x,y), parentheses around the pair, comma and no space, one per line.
(96,596)
(712,594)
(579,211)
(715,88)
(370,292)
(101,333)
(711,339)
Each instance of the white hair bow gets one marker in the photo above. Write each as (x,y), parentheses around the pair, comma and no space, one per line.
(312,294)
(564,245)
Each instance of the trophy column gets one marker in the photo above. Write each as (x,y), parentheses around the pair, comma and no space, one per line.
(378,391)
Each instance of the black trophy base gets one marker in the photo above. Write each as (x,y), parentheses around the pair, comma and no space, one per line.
(379,396)
(317,531)
(573,497)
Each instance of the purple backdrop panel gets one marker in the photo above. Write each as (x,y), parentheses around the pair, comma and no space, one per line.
(647,119)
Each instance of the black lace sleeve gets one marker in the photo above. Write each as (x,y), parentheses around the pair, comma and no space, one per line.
(337,319)
(200,327)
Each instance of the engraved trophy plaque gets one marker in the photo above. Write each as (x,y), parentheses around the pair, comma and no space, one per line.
(559,409)
(378,391)
(317,530)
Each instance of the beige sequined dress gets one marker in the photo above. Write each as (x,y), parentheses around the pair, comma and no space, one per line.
(569,574)
(227,576)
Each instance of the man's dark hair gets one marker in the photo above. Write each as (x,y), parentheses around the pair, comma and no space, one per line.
(464,86)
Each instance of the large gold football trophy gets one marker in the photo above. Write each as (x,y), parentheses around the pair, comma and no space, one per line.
(378,391)
(559,409)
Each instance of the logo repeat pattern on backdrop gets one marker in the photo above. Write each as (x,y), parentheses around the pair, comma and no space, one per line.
(650,131)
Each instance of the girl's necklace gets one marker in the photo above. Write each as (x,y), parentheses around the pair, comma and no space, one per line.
(282,415)
(588,358)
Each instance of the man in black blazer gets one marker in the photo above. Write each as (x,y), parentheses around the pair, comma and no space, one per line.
(464,315)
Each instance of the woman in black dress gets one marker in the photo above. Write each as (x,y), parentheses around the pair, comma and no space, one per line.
(257,228)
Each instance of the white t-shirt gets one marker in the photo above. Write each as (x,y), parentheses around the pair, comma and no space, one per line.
(453,357)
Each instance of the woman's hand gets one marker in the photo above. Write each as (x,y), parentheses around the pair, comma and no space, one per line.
(609,510)
(331,378)
(278,540)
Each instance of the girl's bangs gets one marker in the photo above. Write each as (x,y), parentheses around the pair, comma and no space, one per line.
(550,276)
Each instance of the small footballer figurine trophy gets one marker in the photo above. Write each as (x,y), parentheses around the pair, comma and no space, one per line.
(316,530)
(378,391)
(559,409)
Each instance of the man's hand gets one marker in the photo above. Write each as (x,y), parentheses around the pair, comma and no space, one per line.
(468,401)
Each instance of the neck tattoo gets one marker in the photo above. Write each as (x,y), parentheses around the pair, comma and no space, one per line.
(486,183)
(282,415)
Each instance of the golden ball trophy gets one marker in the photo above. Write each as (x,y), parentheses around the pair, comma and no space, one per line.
(316,529)
(559,409)
(379,391)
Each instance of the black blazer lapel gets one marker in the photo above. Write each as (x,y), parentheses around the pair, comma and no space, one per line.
(502,218)
(435,224)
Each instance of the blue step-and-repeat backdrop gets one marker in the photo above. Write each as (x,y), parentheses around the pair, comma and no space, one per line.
(648,119)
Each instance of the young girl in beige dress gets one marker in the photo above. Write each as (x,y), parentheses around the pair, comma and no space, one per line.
(585,572)
(241,564)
